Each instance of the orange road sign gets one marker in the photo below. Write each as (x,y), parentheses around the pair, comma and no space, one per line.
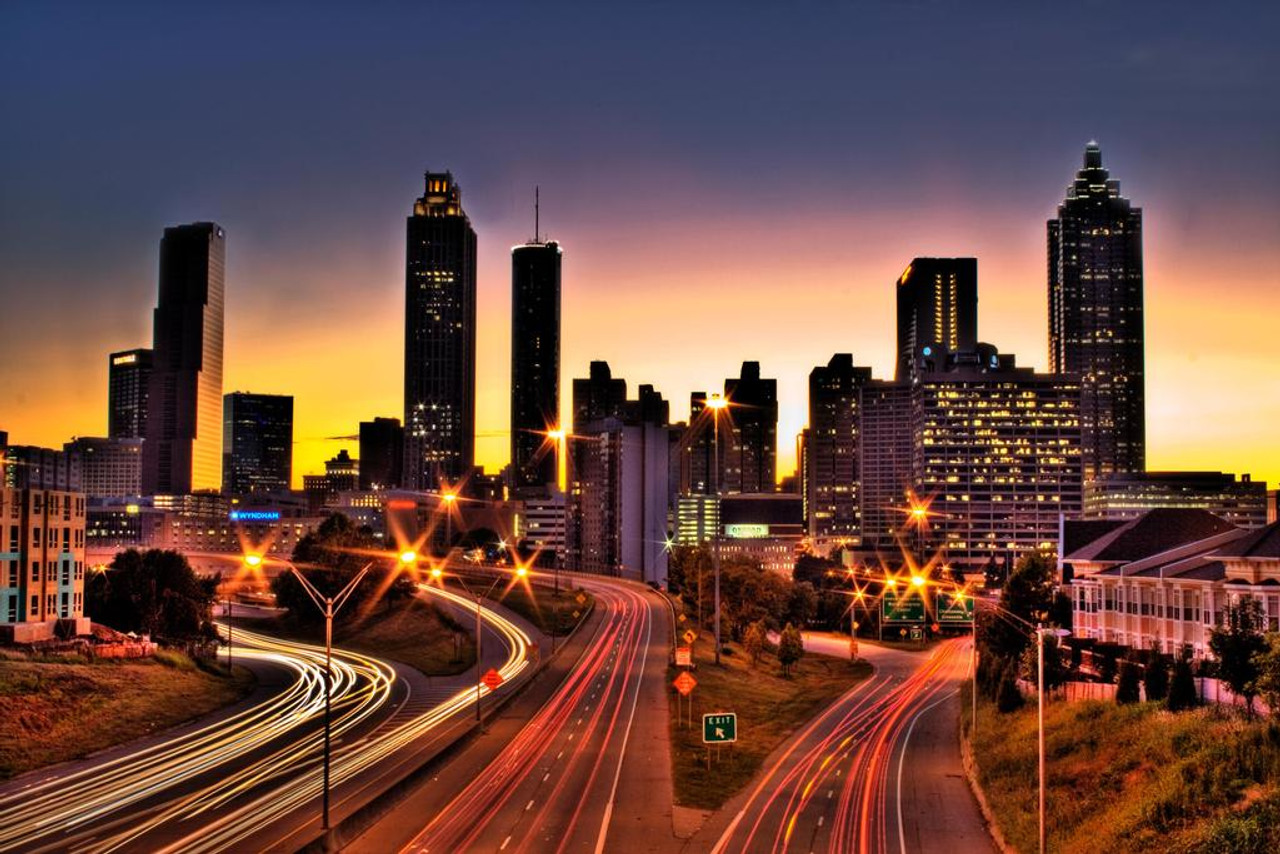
(684,656)
(685,684)
(492,680)
(690,636)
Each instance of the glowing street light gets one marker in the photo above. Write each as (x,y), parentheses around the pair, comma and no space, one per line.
(408,557)
(918,580)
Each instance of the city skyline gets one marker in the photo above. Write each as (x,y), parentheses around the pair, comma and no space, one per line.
(983,193)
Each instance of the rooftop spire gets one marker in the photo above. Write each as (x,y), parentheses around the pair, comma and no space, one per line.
(536,211)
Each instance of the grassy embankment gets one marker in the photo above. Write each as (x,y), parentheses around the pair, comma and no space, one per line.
(770,707)
(57,709)
(550,613)
(1134,778)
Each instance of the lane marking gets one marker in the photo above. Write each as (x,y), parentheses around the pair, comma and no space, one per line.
(902,835)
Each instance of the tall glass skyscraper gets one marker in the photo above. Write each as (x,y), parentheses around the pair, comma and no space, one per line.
(535,361)
(183,448)
(128,386)
(440,337)
(258,443)
(1095,315)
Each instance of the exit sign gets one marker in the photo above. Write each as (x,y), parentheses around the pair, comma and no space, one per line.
(720,728)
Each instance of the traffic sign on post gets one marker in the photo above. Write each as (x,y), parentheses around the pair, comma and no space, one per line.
(684,656)
(492,680)
(685,683)
(955,608)
(907,607)
(720,728)
(690,636)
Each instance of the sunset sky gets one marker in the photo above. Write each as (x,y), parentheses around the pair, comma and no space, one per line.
(732,181)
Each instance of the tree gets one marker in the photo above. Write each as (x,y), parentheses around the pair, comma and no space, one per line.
(790,648)
(1182,687)
(753,641)
(1267,682)
(814,569)
(802,605)
(1029,597)
(1055,672)
(1156,678)
(1127,690)
(153,592)
(1235,643)
(1008,697)
(331,556)
(957,574)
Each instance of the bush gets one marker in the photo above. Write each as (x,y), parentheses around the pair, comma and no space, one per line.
(1008,697)
(1156,679)
(790,648)
(1182,688)
(1127,691)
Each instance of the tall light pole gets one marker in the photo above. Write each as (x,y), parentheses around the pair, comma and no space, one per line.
(328,605)
(716,403)
(1040,635)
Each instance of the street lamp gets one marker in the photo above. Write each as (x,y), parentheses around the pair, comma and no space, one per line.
(1041,632)
(328,605)
(716,403)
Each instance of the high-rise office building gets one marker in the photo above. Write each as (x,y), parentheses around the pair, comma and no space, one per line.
(884,460)
(830,451)
(937,304)
(128,387)
(598,396)
(1095,315)
(696,447)
(750,455)
(998,450)
(257,443)
(535,361)
(618,501)
(109,467)
(183,448)
(381,453)
(1241,502)
(440,337)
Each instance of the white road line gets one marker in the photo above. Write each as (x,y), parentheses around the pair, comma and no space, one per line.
(902,834)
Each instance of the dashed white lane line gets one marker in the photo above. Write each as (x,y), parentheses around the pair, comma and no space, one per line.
(505,843)
(529,805)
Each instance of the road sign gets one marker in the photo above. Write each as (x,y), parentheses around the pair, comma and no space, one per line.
(685,684)
(680,618)
(917,633)
(690,636)
(955,608)
(582,598)
(492,680)
(719,728)
(684,656)
(907,607)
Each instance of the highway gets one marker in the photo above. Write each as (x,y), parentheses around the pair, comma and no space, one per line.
(588,771)
(877,772)
(250,778)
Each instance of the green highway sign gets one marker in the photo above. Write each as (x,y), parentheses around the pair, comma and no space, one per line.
(906,607)
(955,608)
(719,728)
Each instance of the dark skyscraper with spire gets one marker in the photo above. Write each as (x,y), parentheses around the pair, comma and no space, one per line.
(440,337)
(1095,315)
(535,359)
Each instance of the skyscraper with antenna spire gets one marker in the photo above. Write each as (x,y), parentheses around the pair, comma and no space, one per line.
(535,356)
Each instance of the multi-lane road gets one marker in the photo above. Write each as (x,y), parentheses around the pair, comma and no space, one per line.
(588,770)
(249,778)
(876,772)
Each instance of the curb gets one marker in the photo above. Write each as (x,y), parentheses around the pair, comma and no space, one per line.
(988,817)
(357,822)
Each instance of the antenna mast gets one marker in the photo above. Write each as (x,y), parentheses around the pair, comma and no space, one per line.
(536,212)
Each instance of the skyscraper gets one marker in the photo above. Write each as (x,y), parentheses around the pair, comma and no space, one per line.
(381,453)
(535,360)
(598,396)
(128,386)
(830,454)
(937,304)
(751,452)
(257,443)
(1095,315)
(183,448)
(440,337)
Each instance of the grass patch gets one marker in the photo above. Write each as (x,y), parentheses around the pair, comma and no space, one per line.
(413,632)
(770,707)
(1134,778)
(54,711)
(552,614)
